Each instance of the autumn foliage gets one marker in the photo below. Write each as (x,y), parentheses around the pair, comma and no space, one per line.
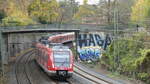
(141,12)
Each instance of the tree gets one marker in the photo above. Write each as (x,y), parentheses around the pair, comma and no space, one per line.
(2,15)
(14,16)
(67,10)
(132,57)
(2,4)
(84,11)
(108,12)
(105,11)
(141,12)
(44,11)
(124,11)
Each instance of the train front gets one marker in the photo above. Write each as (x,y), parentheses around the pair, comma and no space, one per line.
(62,61)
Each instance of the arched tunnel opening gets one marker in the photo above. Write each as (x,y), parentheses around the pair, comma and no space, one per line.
(14,42)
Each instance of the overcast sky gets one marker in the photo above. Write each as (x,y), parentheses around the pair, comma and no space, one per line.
(89,1)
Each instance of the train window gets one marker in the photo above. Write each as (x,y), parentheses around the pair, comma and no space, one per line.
(61,59)
(60,47)
(55,44)
(47,45)
(45,42)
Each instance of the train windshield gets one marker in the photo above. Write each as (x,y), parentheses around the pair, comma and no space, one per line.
(61,58)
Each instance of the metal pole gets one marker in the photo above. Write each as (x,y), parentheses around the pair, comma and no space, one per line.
(117,24)
(116,45)
(0,53)
(76,40)
(115,31)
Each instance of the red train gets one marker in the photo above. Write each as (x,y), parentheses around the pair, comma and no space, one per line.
(55,58)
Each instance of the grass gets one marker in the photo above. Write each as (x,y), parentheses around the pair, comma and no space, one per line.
(4,78)
(117,75)
(114,75)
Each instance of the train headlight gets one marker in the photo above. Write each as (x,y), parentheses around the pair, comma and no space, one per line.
(49,66)
(53,65)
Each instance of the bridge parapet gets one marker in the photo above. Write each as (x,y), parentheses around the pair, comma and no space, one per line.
(82,27)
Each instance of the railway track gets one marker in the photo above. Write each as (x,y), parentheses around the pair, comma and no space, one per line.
(42,77)
(25,75)
(22,76)
(63,82)
(92,78)
(28,72)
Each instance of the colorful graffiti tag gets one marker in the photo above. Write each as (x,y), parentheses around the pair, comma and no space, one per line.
(99,39)
(90,53)
(91,45)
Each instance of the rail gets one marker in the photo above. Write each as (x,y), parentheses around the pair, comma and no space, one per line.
(94,77)
(21,73)
(89,76)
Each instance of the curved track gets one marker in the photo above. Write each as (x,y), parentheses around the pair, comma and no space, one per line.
(92,78)
(28,72)
(20,68)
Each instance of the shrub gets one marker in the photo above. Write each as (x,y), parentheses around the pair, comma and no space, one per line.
(143,66)
(2,15)
(129,56)
(16,21)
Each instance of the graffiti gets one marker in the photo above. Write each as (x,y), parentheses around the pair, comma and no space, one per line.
(90,46)
(90,53)
(94,40)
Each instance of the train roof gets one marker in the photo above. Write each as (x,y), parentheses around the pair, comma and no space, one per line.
(56,45)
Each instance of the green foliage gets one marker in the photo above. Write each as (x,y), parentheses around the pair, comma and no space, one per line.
(74,52)
(84,11)
(143,76)
(2,15)
(67,10)
(85,2)
(128,57)
(16,21)
(44,11)
(141,12)
(15,17)
(143,66)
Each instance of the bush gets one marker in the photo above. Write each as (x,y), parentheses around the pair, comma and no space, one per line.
(16,21)
(143,66)
(129,56)
(2,15)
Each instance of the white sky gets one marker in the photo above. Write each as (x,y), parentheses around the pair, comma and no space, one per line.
(89,1)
